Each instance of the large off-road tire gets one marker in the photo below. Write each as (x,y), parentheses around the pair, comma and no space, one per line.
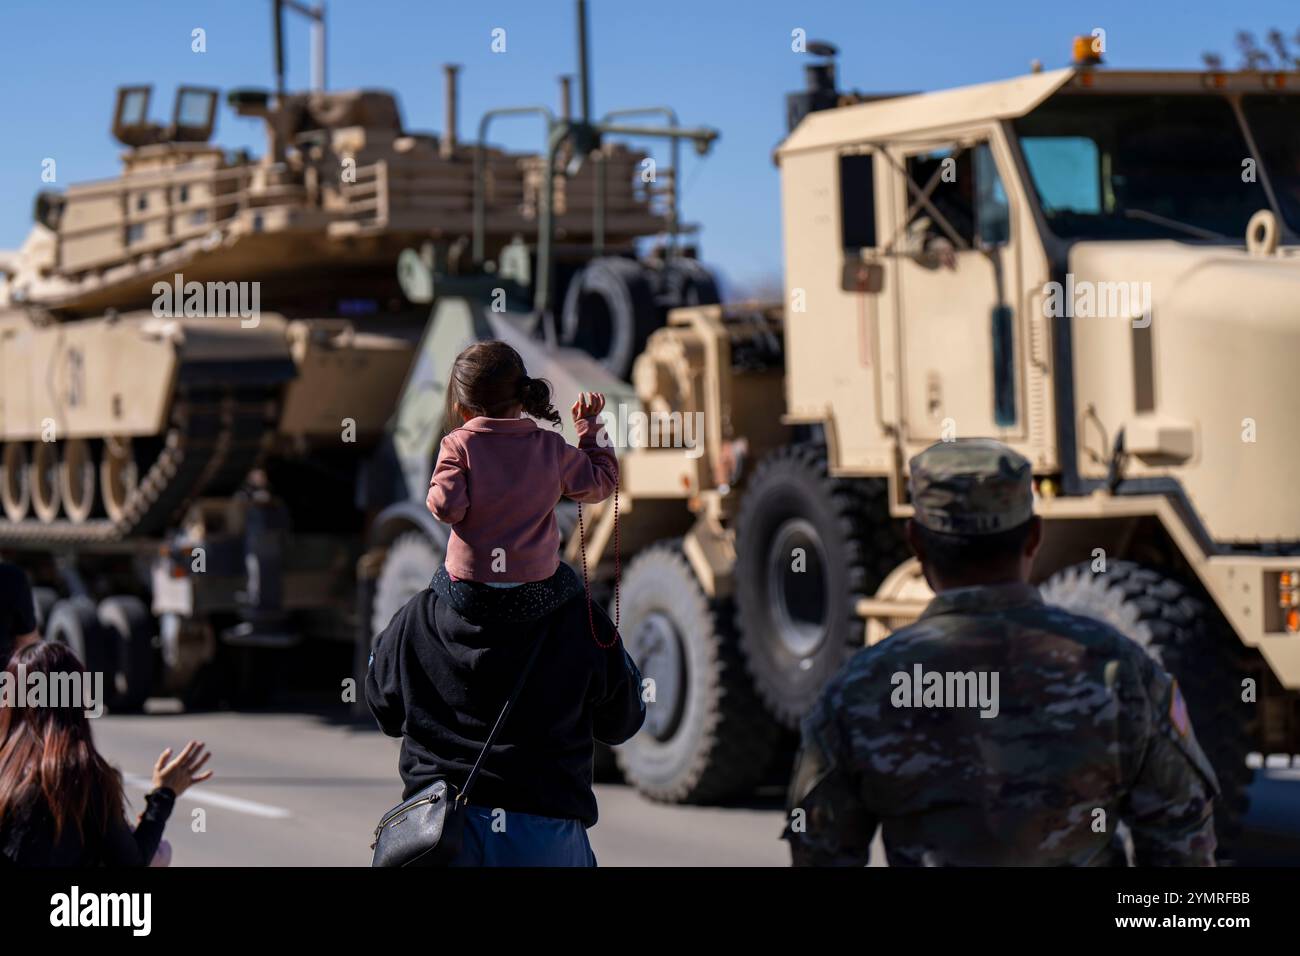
(808,548)
(44,599)
(130,625)
(412,560)
(73,622)
(1190,639)
(610,311)
(706,736)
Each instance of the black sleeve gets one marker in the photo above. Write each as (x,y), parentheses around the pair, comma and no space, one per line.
(384,676)
(124,847)
(620,711)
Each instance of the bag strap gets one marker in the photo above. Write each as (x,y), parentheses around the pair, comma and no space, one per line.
(463,797)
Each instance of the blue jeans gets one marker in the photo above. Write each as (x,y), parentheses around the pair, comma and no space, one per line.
(522,839)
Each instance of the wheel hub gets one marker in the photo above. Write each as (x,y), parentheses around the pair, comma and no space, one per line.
(797,587)
(657,648)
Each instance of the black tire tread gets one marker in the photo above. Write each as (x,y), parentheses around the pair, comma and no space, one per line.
(873,548)
(1192,641)
(128,621)
(738,739)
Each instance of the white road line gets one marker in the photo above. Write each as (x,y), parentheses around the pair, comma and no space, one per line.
(204,795)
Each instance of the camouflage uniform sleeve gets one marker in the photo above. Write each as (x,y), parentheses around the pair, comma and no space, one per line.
(1170,807)
(826,821)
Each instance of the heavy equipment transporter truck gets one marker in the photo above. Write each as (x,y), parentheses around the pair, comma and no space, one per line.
(1098,268)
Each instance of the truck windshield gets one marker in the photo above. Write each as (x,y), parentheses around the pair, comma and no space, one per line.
(1274,121)
(1143,166)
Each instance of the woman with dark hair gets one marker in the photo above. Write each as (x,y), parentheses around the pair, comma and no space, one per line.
(61,804)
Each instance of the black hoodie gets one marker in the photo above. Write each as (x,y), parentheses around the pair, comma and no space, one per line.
(442,670)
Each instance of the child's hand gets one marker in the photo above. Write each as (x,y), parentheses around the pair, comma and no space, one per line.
(588,405)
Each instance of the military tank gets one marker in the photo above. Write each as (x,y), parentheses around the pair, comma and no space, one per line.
(198,358)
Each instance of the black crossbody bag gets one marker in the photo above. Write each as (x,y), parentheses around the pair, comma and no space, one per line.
(428,828)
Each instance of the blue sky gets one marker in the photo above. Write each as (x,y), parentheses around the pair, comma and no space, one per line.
(725,63)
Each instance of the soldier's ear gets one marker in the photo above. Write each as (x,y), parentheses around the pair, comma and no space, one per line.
(1035,538)
(914,539)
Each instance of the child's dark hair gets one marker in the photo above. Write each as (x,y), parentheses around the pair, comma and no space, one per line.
(489,379)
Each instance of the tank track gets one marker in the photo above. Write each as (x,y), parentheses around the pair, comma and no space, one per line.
(216,435)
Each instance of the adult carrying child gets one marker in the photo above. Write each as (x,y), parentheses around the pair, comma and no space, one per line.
(505,620)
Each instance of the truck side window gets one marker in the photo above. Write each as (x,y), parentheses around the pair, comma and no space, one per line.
(992,212)
(857,201)
(952,195)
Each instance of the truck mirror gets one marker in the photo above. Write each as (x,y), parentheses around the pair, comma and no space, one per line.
(1004,370)
(859,276)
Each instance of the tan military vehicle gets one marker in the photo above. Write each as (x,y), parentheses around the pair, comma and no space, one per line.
(198,358)
(1098,268)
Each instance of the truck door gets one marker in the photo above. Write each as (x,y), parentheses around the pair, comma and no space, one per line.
(958,276)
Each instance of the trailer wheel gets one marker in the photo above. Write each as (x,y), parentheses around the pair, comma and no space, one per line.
(73,622)
(129,622)
(609,312)
(409,566)
(44,599)
(706,736)
(808,547)
(1190,639)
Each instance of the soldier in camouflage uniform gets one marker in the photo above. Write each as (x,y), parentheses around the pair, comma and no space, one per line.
(1041,732)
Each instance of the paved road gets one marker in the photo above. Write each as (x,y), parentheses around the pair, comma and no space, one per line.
(305,790)
(299,790)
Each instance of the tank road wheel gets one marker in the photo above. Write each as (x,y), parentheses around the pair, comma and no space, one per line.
(16,484)
(73,622)
(409,566)
(77,479)
(130,625)
(609,312)
(119,476)
(808,547)
(705,735)
(44,470)
(1189,637)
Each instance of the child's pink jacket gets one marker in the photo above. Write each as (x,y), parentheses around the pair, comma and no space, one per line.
(497,483)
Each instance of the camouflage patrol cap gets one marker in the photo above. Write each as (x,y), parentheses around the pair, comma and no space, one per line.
(971,486)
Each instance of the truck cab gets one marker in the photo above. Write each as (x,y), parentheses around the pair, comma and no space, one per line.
(1097,268)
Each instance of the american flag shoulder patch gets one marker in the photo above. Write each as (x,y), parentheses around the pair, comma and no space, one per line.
(1178,712)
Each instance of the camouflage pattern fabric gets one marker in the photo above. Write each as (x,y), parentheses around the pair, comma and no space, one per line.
(1088,731)
(971,486)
